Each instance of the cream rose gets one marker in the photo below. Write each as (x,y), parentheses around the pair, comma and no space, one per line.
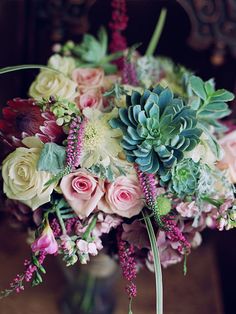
(123,197)
(228,144)
(64,64)
(87,78)
(50,83)
(82,191)
(21,179)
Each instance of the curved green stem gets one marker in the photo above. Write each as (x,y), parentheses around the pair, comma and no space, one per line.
(157,263)
(157,33)
(26,67)
(90,227)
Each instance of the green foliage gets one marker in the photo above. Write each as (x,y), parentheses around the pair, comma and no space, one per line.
(211,104)
(63,109)
(157,129)
(185,177)
(52,158)
(92,52)
(103,172)
(108,173)
(116,91)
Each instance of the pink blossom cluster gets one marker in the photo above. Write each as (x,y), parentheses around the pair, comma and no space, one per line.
(18,282)
(174,234)
(129,75)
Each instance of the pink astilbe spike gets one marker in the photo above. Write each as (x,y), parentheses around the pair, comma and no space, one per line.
(118,24)
(167,224)
(75,142)
(128,266)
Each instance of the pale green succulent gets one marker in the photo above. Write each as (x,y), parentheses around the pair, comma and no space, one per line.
(185,177)
(157,129)
(93,52)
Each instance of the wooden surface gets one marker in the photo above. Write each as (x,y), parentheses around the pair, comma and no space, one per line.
(198,292)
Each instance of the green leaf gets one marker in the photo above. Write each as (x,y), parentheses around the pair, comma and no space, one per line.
(209,87)
(221,95)
(109,68)
(194,102)
(197,86)
(157,263)
(102,36)
(52,158)
(211,141)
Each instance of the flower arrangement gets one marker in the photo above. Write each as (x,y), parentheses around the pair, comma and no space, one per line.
(119,146)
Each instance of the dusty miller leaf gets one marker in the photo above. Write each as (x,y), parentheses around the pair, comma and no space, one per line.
(52,158)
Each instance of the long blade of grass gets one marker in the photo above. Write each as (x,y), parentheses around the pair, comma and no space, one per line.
(157,263)
(26,67)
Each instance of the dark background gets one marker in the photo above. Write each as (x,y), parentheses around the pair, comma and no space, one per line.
(28,29)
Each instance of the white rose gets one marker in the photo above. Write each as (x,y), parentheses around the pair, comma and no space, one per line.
(21,179)
(64,64)
(50,83)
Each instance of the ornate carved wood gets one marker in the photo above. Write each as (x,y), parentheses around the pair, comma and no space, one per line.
(67,18)
(213,24)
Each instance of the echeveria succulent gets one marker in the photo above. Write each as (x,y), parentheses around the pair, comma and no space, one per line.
(185,177)
(157,129)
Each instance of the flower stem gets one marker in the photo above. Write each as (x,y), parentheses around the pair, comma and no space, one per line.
(90,228)
(60,219)
(157,264)
(130,306)
(88,294)
(157,33)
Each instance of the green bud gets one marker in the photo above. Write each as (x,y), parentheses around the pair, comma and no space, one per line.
(163,205)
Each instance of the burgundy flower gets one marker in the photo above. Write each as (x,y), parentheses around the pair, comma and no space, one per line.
(22,117)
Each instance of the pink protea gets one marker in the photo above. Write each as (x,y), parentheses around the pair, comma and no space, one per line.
(46,242)
(22,118)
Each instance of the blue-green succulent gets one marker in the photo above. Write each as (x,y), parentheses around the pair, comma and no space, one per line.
(185,177)
(157,130)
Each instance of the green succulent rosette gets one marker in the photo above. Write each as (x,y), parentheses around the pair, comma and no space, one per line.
(157,130)
(185,177)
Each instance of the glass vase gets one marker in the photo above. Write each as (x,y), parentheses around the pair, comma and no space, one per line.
(90,287)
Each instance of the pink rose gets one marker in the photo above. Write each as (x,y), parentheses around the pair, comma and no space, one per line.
(123,197)
(88,78)
(46,242)
(92,98)
(228,144)
(82,191)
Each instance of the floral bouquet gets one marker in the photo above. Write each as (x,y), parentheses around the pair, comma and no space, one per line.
(116,152)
